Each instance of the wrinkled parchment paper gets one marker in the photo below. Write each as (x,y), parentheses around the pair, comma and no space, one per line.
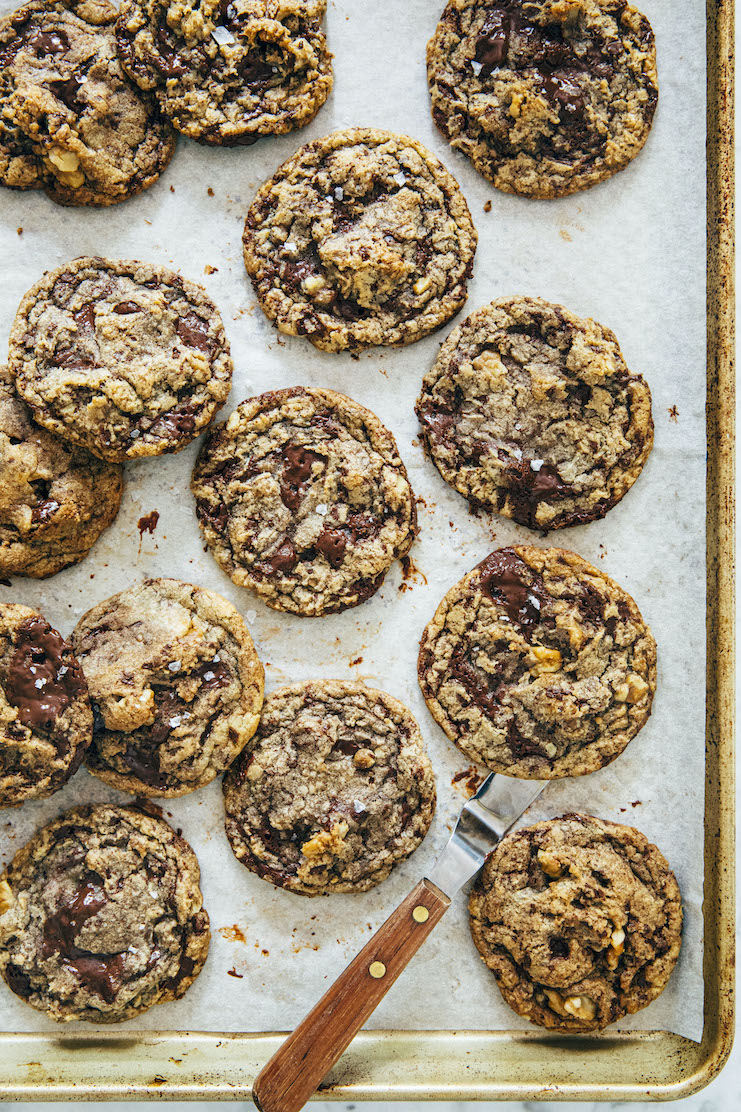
(630,253)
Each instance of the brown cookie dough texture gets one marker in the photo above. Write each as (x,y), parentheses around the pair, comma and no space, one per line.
(126,359)
(537,665)
(46,722)
(360,238)
(580,921)
(530,411)
(302,496)
(544,98)
(55,499)
(334,790)
(176,687)
(72,123)
(101,916)
(229,71)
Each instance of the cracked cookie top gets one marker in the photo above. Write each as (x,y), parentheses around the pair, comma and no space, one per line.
(361,238)
(580,921)
(334,790)
(46,722)
(127,359)
(55,498)
(530,411)
(72,122)
(229,71)
(176,686)
(302,496)
(537,665)
(545,98)
(101,916)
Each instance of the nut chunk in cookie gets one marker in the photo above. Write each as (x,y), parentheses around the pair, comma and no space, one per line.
(537,665)
(72,122)
(126,359)
(335,789)
(361,238)
(46,721)
(176,686)
(101,916)
(531,411)
(302,496)
(580,921)
(544,98)
(228,71)
(55,498)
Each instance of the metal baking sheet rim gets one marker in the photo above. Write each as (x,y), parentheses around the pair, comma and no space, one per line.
(506,1065)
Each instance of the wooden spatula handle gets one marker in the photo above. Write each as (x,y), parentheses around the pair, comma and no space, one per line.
(306,1057)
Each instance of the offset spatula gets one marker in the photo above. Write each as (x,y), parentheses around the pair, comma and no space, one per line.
(306,1057)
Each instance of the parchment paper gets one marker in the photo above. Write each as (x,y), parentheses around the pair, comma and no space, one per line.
(630,253)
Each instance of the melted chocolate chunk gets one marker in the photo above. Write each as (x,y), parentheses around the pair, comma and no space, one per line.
(348,745)
(506,579)
(101,973)
(332,544)
(167,61)
(46,42)
(142,755)
(178,422)
(529,487)
(297,469)
(125,307)
(193,331)
(67,91)
(475,682)
(284,560)
(43,677)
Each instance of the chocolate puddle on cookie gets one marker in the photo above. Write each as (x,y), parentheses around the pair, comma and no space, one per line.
(43,678)
(100,972)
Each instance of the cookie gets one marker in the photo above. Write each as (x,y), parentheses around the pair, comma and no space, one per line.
(531,412)
(71,121)
(55,499)
(302,497)
(361,238)
(334,790)
(126,359)
(544,98)
(537,665)
(176,686)
(229,71)
(101,916)
(46,722)
(580,921)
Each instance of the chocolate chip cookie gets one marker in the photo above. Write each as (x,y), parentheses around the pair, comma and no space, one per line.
(127,359)
(71,121)
(101,916)
(302,496)
(334,790)
(55,499)
(544,98)
(531,411)
(580,921)
(176,686)
(360,238)
(229,71)
(46,722)
(537,665)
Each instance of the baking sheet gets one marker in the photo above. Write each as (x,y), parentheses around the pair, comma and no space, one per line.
(630,253)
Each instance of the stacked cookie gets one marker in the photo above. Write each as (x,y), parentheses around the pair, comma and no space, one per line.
(536,664)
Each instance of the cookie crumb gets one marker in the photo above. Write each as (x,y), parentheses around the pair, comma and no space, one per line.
(673,414)
(487,206)
(20,231)
(210,269)
(210,191)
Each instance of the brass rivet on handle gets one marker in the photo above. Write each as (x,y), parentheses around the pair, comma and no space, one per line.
(420,914)
(377,969)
